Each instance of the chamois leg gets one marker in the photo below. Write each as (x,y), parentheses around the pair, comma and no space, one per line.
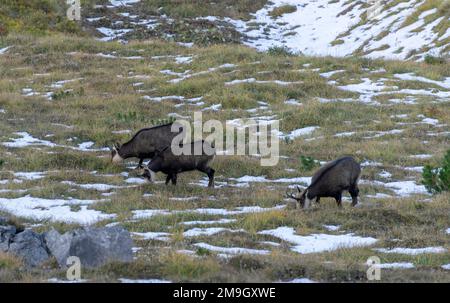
(140,164)
(168,178)
(318,200)
(147,174)
(338,198)
(174,179)
(354,192)
(210,172)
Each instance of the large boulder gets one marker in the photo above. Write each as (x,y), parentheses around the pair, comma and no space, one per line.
(94,246)
(30,246)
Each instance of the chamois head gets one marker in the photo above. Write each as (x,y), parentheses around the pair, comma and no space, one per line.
(115,156)
(302,201)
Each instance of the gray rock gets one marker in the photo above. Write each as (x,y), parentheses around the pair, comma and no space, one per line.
(6,234)
(94,246)
(30,246)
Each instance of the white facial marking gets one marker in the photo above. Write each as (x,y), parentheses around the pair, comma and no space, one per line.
(307,201)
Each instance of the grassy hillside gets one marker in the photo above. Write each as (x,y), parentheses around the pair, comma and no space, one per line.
(65,91)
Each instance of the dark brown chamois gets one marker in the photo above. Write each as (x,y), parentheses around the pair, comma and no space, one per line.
(144,143)
(171,164)
(330,181)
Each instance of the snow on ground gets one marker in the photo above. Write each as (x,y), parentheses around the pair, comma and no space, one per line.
(26,140)
(196,232)
(400,188)
(161,236)
(263,179)
(446,266)
(232,250)
(406,188)
(123,2)
(30,175)
(332,227)
(320,27)
(56,210)
(314,25)
(413,251)
(95,186)
(148,213)
(318,242)
(395,265)
(412,77)
(4,50)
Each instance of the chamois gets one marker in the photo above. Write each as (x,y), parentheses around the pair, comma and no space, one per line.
(330,181)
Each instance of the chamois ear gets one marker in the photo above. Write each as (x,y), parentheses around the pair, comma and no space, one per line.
(116,146)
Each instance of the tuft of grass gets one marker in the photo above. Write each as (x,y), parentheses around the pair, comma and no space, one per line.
(433,60)
(307,163)
(280,51)
(437,179)
(281,10)
(185,268)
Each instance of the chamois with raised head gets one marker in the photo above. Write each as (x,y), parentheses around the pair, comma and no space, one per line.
(171,164)
(144,144)
(330,181)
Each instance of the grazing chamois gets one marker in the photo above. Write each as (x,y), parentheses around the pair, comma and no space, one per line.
(144,144)
(170,164)
(330,181)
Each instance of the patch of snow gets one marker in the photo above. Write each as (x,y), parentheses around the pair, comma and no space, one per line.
(385,174)
(413,251)
(412,77)
(30,175)
(232,250)
(421,156)
(111,34)
(300,132)
(57,210)
(118,3)
(27,140)
(395,265)
(345,134)
(332,227)
(148,213)
(292,102)
(253,80)
(161,236)
(316,243)
(196,232)
(136,181)
(4,50)
(446,266)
